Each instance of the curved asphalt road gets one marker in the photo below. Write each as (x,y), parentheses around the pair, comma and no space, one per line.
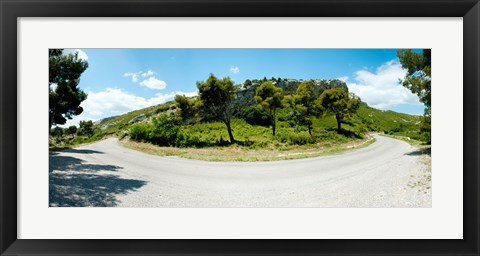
(107,174)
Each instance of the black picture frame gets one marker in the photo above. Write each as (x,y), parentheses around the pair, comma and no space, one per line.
(10,10)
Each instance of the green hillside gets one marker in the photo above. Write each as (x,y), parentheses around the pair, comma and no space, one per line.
(289,136)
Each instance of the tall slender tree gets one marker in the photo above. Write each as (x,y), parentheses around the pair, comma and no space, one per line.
(216,98)
(338,102)
(65,96)
(187,107)
(270,98)
(303,105)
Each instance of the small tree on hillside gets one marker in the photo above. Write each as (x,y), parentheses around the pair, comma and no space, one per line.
(216,98)
(270,97)
(85,128)
(247,83)
(338,102)
(187,107)
(303,105)
(72,129)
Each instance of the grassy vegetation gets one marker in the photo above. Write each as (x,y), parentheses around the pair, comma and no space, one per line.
(244,154)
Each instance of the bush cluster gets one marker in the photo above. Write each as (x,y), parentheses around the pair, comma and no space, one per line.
(163,131)
(256,115)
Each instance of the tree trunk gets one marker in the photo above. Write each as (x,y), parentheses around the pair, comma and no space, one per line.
(230,134)
(310,130)
(273,122)
(50,123)
(339,127)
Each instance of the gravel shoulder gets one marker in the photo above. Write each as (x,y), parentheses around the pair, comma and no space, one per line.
(387,173)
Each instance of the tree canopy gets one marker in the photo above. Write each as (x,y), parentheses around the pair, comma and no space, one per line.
(418,77)
(64,95)
(418,80)
(338,102)
(303,105)
(187,107)
(270,98)
(216,99)
(247,83)
(85,128)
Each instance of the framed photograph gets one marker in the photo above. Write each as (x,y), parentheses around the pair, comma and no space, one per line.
(227,127)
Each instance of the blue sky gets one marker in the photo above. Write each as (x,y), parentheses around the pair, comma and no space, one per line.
(121,80)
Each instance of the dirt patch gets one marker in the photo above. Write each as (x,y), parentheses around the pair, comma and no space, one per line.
(421,179)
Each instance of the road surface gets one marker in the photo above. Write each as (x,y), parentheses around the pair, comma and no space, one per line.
(388,173)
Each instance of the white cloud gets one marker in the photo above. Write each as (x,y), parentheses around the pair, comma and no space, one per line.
(133,76)
(234,70)
(81,54)
(187,94)
(382,89)
(114,101)
(343,78)
(153,83)
(148,73)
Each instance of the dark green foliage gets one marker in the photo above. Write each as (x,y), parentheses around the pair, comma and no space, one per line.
(247,83)
(85,128)
(64,95)
(162,108)
(57,131)
(140,132)
(303,106)
(426,122)
(163,131)
(418,80)
(187,107)
(270,98)
(72,129)
(338,103)
(256,115)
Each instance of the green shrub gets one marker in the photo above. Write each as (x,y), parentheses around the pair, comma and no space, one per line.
(256,115)
(57,131)
(162,108)
(139,132)
(163,131)
(301,139)
(85,128)
(72,129)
